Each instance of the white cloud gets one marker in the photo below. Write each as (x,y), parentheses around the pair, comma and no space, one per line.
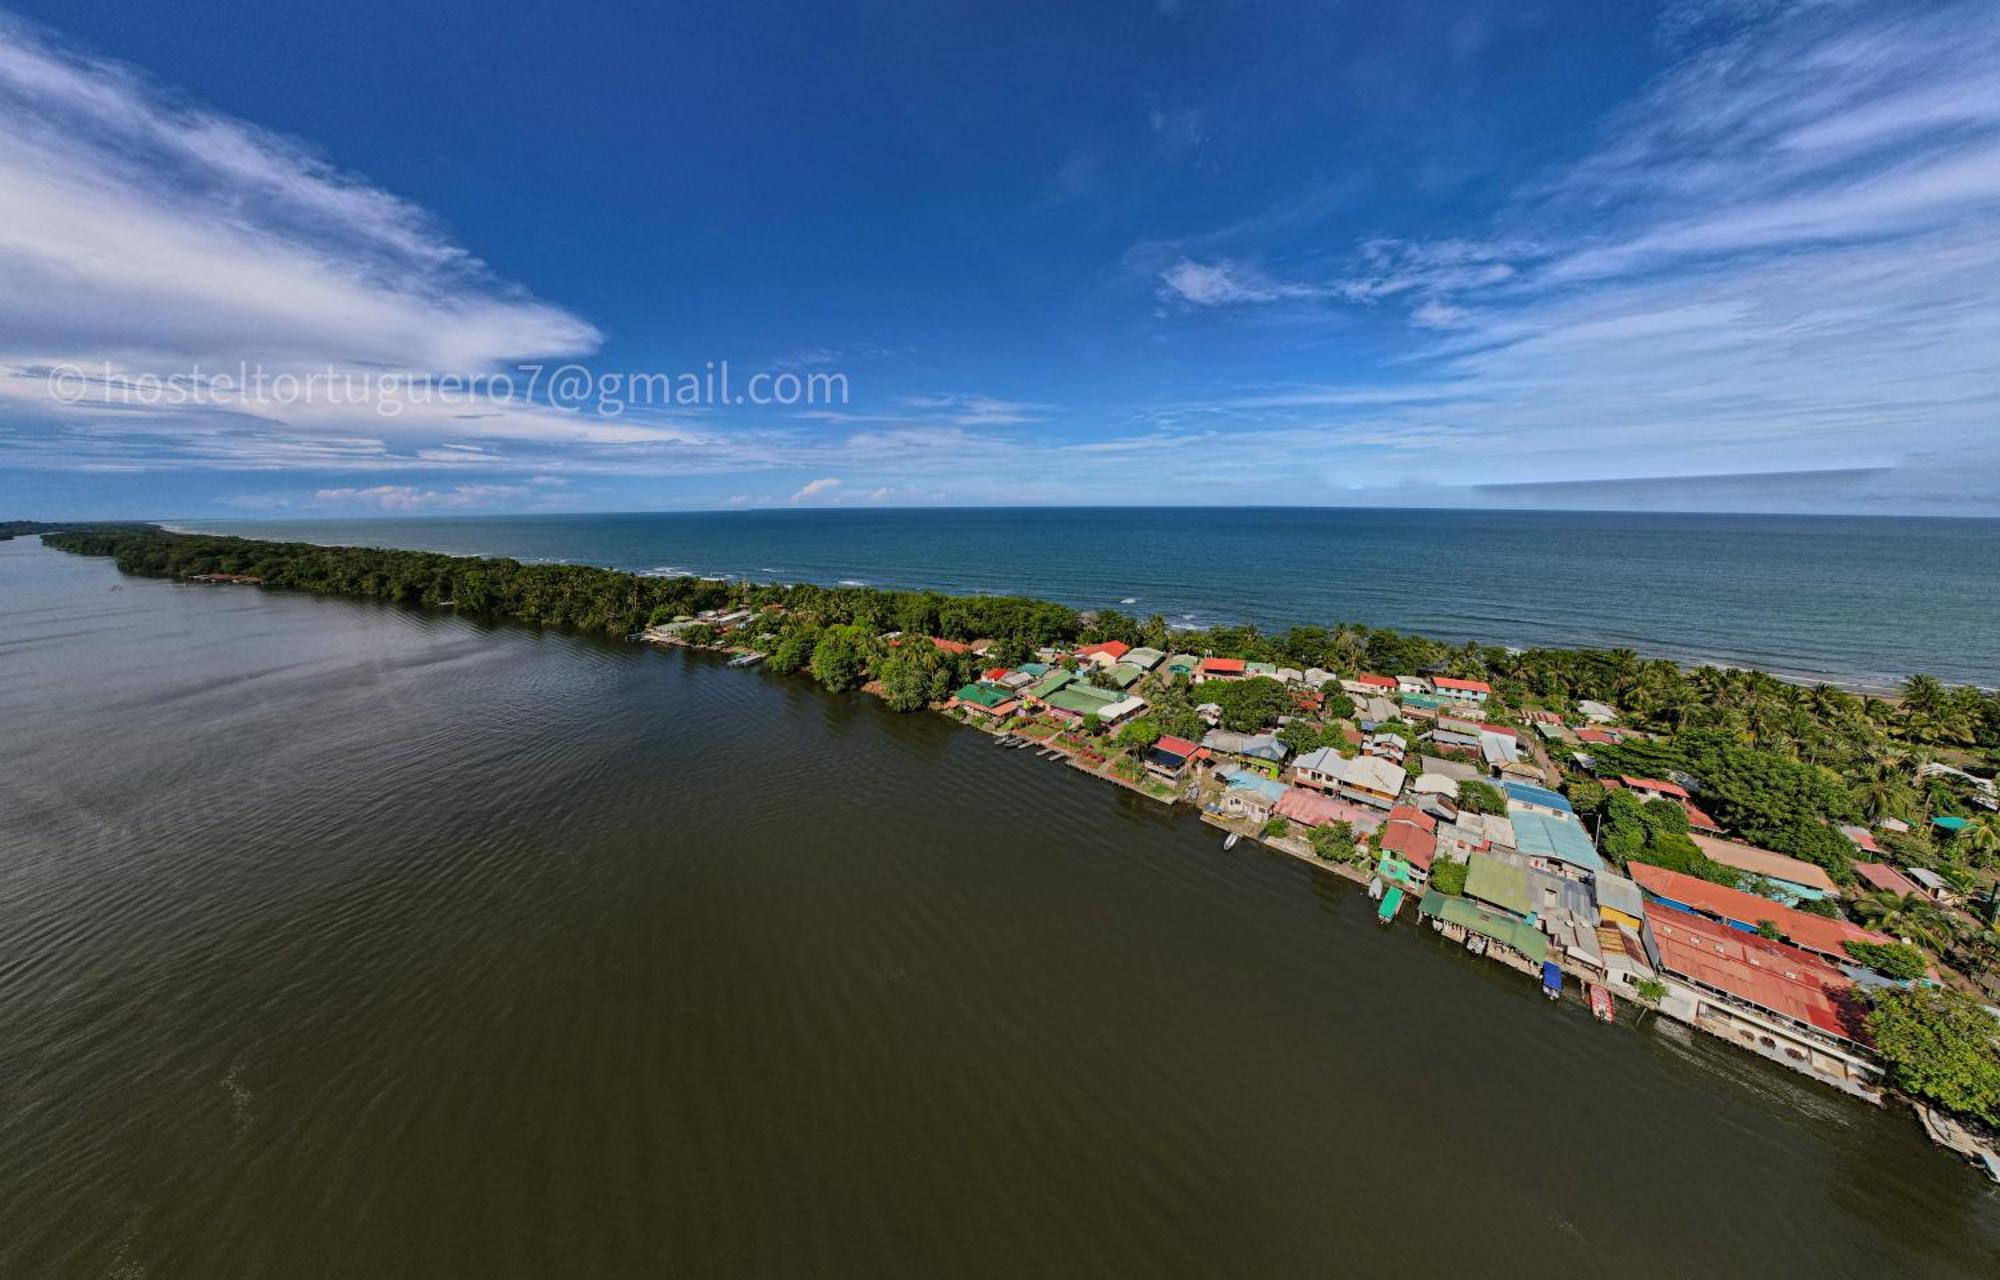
(814,488)
(1215,284)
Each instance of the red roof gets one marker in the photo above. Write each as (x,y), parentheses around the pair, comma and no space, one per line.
(1602,737)
(1417,846)
(1883,876)
(1177,746)
(1380,682)
(951,646)
(1316,810)
(1411,814)
(1770,975)
(1698,817)
(1110,649)
(1654,784)
(1814,933)
(1223,666)
(1467,686)
(994,673)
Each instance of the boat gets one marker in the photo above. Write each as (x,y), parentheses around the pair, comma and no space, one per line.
(746,659)
(1392,902)
(1552,980)
(1374,888)
(1234,836)
(1600,1002)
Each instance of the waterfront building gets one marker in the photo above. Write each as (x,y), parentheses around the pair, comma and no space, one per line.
(1764,996)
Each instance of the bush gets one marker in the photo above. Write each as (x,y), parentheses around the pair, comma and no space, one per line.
(1481,797)
(1448,876)
(1939,1045)
(1276,828)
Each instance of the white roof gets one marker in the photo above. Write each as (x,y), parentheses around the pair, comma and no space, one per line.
(1435,784)
(1323,760)
(1123,707)
(1374,773)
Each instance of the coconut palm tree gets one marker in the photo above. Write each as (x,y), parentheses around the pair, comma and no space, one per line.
(1980,840)
(1909,915)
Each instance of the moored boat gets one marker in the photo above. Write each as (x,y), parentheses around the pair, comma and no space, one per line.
(1600,1002)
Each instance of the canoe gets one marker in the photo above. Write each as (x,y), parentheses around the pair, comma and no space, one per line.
(1600,1002)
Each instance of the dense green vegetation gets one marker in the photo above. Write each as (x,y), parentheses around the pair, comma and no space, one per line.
(1940,1047)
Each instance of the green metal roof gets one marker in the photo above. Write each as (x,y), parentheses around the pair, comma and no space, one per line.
(1469,915)
(1082,699)
(1145,657)
(1124,675)
(986,695)
(1500,883)
(1049,683)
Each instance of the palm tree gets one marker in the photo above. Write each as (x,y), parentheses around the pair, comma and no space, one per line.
(1909,915)
(1980,840)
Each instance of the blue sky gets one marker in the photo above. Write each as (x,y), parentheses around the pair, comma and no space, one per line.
(1729,255)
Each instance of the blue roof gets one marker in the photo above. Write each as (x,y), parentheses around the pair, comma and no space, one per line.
(1552,975)
(1529,793)
(1245,780)
(1558,836)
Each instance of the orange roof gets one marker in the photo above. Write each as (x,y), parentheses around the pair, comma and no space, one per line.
(1763,862)
(951,646)
(1176,746)
(994,673)
(1414,816)
(1417,845)
(1466,686)
(1110,649)
(1883,876)
(1380,682)
(1814,933)
(1675,790)
(1316,810)
(1770,975)
(1223,666)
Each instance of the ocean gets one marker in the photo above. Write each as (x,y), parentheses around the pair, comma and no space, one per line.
(346,940)
(1859,601)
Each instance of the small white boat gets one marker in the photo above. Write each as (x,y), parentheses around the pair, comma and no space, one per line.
(1234,836)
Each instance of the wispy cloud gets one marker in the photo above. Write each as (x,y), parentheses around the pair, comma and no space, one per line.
(406,497)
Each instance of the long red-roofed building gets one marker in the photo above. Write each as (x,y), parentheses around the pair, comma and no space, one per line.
(1817,934)
(1772,999)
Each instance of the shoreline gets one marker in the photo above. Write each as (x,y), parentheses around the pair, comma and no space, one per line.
(1872,684)
(239,563)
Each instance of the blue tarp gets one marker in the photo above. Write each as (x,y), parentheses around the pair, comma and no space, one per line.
(1552,975)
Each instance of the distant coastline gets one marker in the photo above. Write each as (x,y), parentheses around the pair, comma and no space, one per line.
(1810,598)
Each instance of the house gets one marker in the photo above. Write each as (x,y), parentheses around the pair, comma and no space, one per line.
(1620,901)
(1182,664)
(1314,809)
(1170,758)
(1820,935)
(1103,656)
(1412,836)
(1268,670)
(1863,839)
(1600,737)
(1124,675)
(1218,669)
(1935,885)
(1371,683)
(1146,659)
(1249,795)
(1460,919)
(1471,833)
(1322,768)
(1251,746)
(1388,746)
(1018,679)
(1319,677)
(1458,769)
(1077,701)
(1880,875)
(1412,685)
(1554,840)
(989,701)
(1475,691)
(1653,789)
(1597,712)
(1499,883)
(1764,996)
(1455,731)
(1379,710)
(1791,880)
(1373,781)
(1050,683)
(1526,795)
(1289,675)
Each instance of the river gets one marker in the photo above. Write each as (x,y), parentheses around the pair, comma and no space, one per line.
(349,940)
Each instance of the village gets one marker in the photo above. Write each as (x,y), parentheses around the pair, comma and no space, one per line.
(1431,791)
